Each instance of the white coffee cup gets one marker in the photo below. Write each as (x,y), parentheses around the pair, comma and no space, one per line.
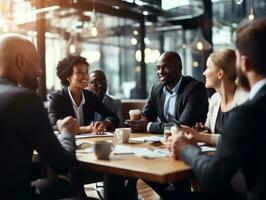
(122,135)
(102,149)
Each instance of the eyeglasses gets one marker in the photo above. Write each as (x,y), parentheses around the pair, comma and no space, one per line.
(98,82)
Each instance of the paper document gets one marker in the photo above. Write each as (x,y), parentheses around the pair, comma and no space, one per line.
(140,151)
(93,134)
(123,149)
(146,153)
(206,148)
(146,139)
(86,150)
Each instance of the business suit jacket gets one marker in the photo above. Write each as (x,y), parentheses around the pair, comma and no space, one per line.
(24,126)
(60,106)
(191,104)
(214,105)
(115,106)
(242,147)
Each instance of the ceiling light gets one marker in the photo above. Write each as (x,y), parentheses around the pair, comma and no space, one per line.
(116,7)
(134,41)
(200,43)
(94,31)
(73,45)
(195,63)
(147,40)
(135,32)
(145,12)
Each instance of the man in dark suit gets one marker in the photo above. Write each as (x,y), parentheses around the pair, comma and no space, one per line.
(98,84)
(175,95)
(24,124)
(243,139)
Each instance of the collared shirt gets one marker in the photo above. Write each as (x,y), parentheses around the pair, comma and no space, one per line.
(254,90)
(78,110)
(170,99)
(169,103)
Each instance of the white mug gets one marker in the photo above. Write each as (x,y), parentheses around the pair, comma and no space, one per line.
(122,135)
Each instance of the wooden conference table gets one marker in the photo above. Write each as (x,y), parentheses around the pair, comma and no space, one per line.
(160,170)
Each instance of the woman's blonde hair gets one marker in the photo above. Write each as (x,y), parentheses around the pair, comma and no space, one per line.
(225,59)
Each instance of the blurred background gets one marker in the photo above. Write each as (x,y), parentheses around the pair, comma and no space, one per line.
(125,37)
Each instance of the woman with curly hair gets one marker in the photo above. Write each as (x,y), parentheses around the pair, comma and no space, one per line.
(74,100)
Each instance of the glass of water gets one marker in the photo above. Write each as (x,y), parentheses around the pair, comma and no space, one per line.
(167,130)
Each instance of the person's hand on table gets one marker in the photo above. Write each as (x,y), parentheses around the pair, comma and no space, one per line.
(98,127)
(190,130)
(137,125)
(101,126)
(200,127)
(178,142)
(69,125)
(108,125)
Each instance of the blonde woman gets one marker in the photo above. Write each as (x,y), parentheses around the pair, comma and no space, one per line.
(221,75)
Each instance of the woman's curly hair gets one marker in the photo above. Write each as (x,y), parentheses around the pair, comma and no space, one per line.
(65,67)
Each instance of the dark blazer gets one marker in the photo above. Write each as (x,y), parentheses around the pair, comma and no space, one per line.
(60,106)
(24,126)
(115,106)
(242,147)
(191,104)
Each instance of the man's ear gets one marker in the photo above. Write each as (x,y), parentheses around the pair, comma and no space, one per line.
(245,63)
(20,62)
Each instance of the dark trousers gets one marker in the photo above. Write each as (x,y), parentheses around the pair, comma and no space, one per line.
(78,177)
(173,195)
(119,188)
(164,190)
(53,189)
(181,191)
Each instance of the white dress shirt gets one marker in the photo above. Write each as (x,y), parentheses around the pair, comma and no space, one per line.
(78,109)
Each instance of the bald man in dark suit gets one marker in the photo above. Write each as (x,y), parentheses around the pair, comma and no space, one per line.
(24,124)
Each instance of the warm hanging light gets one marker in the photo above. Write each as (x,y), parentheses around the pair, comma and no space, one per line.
(250,15)
(200,43)
(73,45)
(94,31)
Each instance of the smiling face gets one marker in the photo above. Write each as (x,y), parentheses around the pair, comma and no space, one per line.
(168,70)
(212,75)
(98,83)
(79,78)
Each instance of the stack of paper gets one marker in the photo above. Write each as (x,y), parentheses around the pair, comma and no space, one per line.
(146,139)
(94,134)
(142,152)
(146,153)
(207,148)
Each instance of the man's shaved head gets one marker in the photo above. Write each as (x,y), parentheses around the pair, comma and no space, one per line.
(19,60)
